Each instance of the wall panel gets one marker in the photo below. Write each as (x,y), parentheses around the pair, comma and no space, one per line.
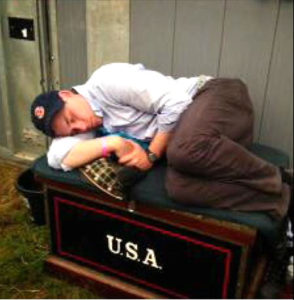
(107,32)
(71,24)
(198,34)
(152,30)
(248,39)
(3,138)
(22,80)
(247,45)
(3,96)
(277,121)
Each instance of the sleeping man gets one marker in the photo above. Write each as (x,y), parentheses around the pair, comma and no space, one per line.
(203,125)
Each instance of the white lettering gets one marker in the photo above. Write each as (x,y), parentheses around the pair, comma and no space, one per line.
(131,249)
(150,257)
(110,244)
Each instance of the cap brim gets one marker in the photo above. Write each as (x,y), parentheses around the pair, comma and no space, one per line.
(50,117)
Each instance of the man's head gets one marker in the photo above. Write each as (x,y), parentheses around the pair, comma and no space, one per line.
(63,113)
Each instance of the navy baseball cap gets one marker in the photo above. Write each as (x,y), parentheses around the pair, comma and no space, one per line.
(43,109)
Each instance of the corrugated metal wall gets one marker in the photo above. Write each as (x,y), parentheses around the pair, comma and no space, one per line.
(249,39)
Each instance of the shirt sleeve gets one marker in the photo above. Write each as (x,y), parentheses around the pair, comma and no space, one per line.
(169,111)
(61,146)
(149,92)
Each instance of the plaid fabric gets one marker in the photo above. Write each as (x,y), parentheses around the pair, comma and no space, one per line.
(103,174)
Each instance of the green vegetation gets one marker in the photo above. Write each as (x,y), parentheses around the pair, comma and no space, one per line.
(24,248)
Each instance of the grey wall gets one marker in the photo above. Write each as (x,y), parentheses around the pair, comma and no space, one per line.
(72,41)
(3,138)
(277,120)
(81,36)
(107,32)
(249,39)
(90,33)
(20,81)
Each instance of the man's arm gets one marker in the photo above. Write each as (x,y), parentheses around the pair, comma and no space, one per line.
(61,146)
(86,151)
(138,158)
(159,143)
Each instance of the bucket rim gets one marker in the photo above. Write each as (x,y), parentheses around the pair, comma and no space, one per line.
(22,189)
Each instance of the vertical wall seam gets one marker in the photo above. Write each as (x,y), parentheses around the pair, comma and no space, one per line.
(42,33)
(269,71)
(222,39)
(43,40)
(4,92)
(54,67)
(130,30)
(85,39)
(174,38)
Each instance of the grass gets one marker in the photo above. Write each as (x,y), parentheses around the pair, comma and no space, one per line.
(24,247)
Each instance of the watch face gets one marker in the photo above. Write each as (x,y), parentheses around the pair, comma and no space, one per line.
(152,157)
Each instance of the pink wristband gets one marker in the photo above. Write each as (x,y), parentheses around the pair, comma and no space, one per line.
(104,148)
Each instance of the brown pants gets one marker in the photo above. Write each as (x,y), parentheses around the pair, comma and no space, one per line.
(209,164)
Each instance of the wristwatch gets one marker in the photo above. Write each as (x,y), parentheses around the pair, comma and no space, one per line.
(152,157)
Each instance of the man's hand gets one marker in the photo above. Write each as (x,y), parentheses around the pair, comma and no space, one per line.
(136,158)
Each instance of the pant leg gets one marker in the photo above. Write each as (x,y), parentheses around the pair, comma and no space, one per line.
(209,164)
(194,190)
(210,138)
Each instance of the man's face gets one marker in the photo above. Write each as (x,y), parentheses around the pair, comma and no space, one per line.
(75,117)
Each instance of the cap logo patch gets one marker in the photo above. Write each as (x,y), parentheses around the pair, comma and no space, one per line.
(39,112)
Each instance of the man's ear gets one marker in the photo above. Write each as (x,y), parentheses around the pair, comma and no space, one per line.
(65,94)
